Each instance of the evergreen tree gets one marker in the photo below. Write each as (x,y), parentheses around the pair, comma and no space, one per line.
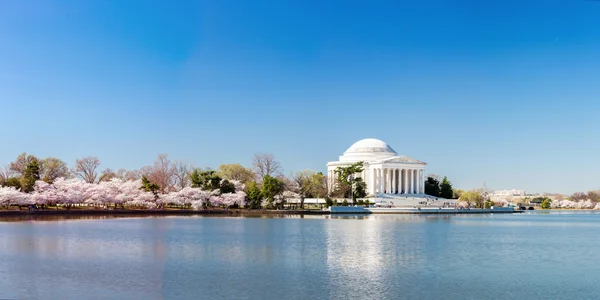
(360,189)
(205,180)
(30,175)
(348,185)
(271,187)
(227,187)
(150,187)
(446,189)
(432,187)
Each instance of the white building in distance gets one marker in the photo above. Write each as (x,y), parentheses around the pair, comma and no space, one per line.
(384,171)
(509,193)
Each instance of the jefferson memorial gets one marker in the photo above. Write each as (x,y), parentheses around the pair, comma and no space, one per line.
(385,172)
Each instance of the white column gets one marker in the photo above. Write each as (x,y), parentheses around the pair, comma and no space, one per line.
(403,183)
(404,180)
(395,184)
(396,181)
(423,181)
(377,180)
(418,181)
(381,180)
(393,190)
(414,172)
(390,185)
(411,185)
(411,176)
(371,182)
(385,180)
(329,188)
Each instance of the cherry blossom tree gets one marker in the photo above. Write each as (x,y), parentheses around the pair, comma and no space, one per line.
(12,196)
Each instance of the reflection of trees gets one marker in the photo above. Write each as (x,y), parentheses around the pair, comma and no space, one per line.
(159,252)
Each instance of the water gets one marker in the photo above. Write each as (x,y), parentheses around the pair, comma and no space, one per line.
(523,256)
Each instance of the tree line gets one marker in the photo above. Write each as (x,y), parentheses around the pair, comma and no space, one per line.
(263,185)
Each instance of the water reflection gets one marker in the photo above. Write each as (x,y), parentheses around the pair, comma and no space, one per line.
(314,257)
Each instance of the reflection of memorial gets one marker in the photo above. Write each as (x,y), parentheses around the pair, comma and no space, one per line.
(366,251)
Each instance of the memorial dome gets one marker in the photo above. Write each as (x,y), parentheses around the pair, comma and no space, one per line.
(368,150)
(370,146)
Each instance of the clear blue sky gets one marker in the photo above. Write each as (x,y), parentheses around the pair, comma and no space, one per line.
(506,92)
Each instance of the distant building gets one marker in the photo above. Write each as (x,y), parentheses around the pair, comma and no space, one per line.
(509,193)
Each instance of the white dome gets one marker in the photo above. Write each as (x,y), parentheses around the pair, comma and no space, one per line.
(370,146)
(368,150)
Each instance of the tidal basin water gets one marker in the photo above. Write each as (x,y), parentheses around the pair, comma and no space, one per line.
(523,256)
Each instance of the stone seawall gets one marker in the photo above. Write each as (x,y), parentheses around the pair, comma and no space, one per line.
(410,210)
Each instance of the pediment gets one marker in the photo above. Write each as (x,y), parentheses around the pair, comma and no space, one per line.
(402,160)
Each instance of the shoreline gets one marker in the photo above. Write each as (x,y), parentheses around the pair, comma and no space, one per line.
(161,212)
(235,212)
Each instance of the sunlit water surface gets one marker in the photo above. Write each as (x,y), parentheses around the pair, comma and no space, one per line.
(523,256)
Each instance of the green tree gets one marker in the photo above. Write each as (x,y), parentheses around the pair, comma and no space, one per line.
(271,187)
(489,203)
(360,188)
(457,193)
(253,195)
(150,187)
(13,182)
(20,164)
(205,180)
(227,187)
(546,203)
(537,200)
(432,186)
(446,189)
(52,168)
(236,172)
(30,175)
(473,197)
(347,184)
(310,184)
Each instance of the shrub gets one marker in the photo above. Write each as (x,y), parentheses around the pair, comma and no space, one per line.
(546,203)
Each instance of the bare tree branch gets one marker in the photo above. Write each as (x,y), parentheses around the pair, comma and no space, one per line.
(182,171)
(86,167)
(265,164)
(161,173)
